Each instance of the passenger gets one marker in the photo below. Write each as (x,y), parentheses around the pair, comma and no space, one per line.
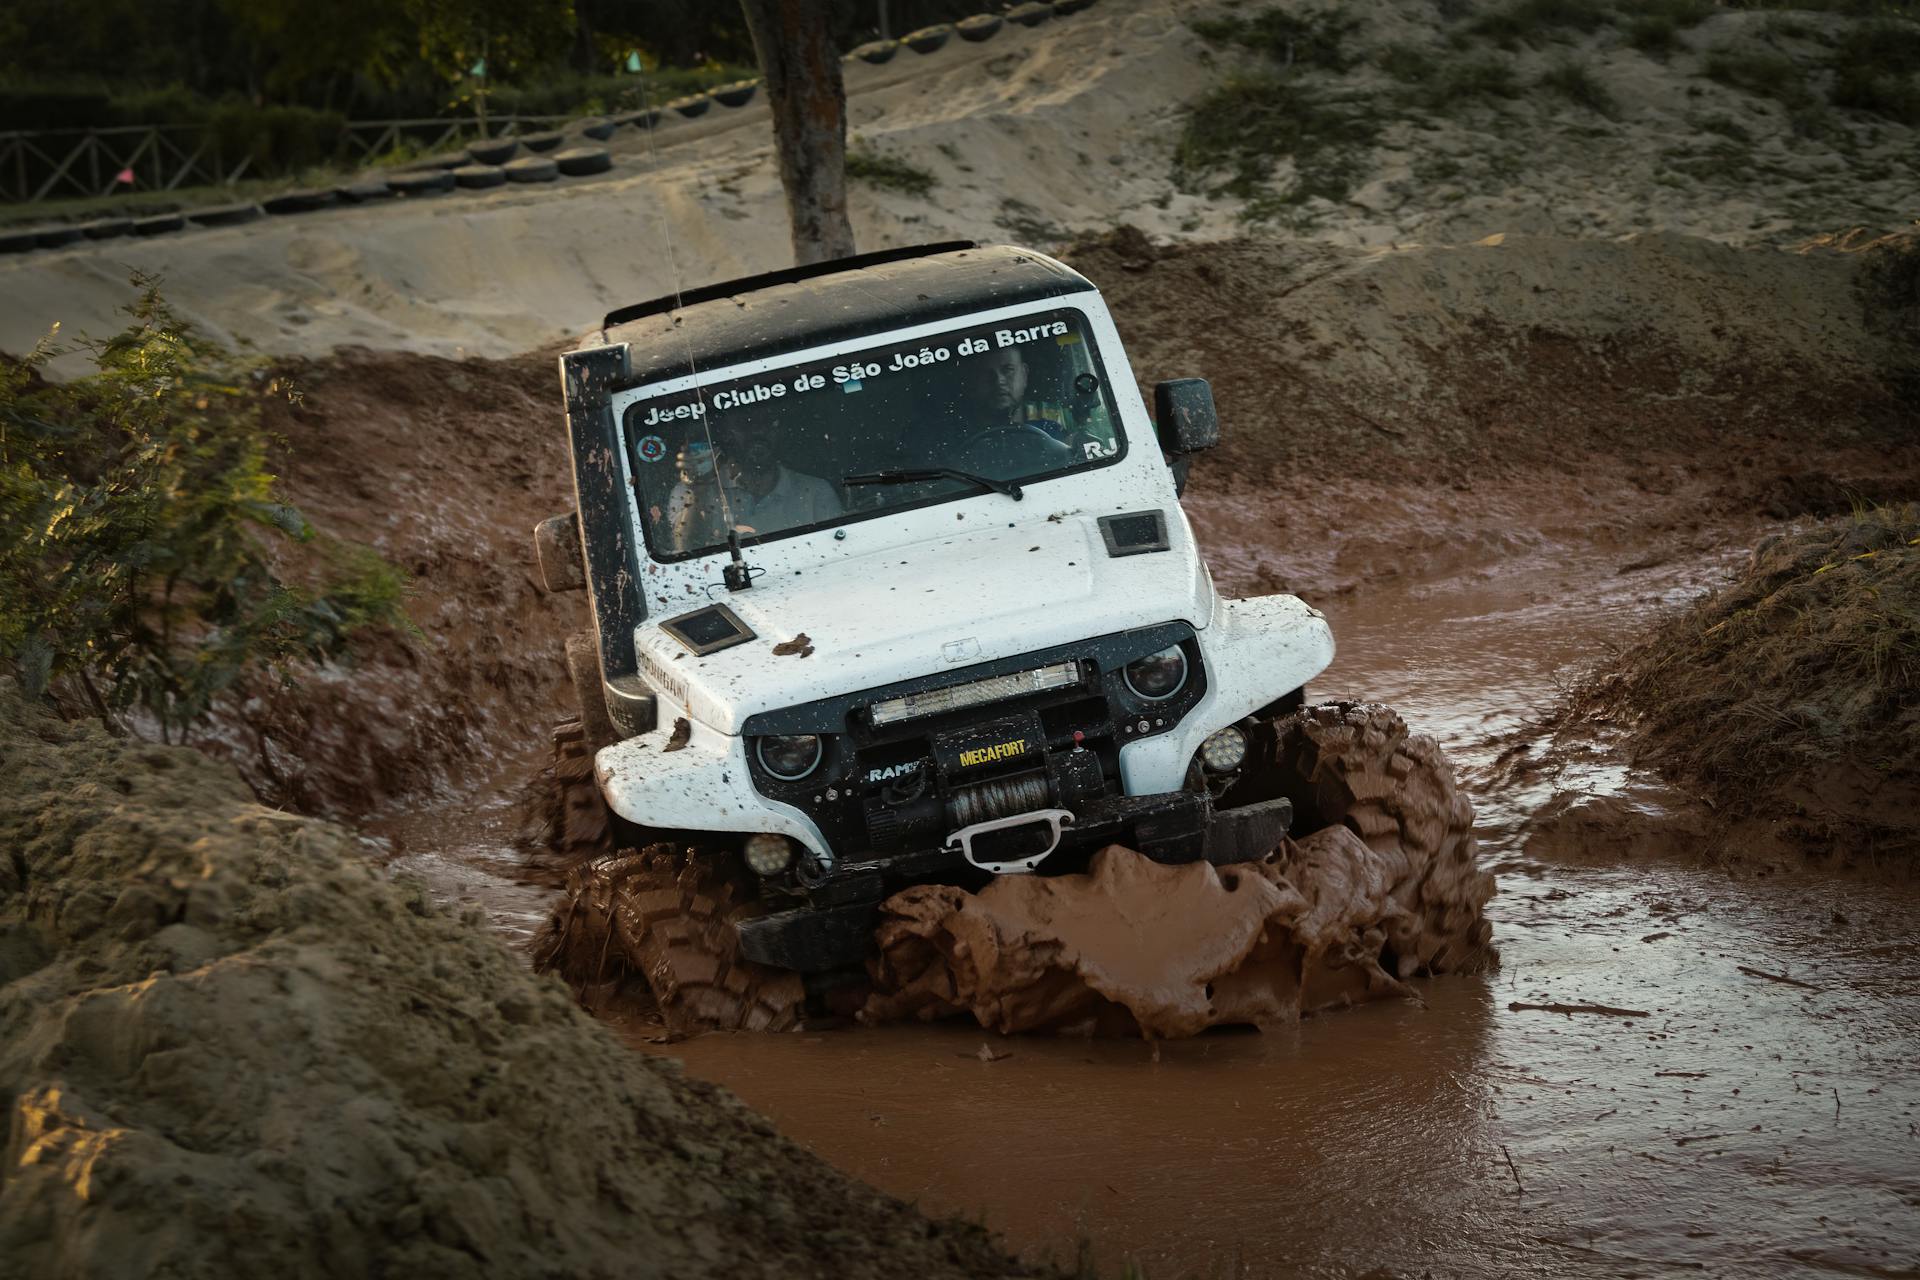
(763,495)
(1016,438)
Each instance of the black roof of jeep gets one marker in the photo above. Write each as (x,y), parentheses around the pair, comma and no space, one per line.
(825,302)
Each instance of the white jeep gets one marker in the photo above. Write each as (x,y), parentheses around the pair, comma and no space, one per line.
(891,585)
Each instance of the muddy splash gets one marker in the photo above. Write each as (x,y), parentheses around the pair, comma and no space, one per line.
(1135,946)
(1387,886)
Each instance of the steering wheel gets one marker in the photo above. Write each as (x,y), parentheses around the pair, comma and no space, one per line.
(1019,436)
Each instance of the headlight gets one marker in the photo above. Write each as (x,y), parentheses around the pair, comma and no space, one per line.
(1158,676)
(1224,751)
(789,758)
(768,854)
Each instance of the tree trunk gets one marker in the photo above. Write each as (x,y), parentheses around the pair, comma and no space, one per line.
(801,68)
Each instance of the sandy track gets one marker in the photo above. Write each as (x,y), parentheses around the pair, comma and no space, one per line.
(1034,136)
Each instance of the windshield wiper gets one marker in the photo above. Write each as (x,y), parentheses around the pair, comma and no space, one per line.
(936,473)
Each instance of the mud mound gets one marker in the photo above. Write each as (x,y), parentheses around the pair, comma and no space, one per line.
(1792,694)
(1472,361)
(444,466)
(227,1047)
(1137,947)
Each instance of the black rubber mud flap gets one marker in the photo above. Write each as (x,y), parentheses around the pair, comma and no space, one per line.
(811,939)
(1248,833)
(583,667)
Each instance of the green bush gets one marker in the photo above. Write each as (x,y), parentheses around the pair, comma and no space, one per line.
(1876,68)
(1530,21)
(1654,26)
(1408,64)
(1577,85)
(1314,39)
(1681,13)
(888,173)
(140,533)
(1468,79)
(275,140)
(1770,75)
(1238,134)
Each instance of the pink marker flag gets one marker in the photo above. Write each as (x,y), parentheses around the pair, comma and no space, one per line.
(124,176)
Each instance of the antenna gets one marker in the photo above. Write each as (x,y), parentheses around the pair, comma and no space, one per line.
(738,575)
(693,370)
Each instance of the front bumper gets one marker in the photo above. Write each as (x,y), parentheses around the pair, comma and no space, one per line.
(1174,827)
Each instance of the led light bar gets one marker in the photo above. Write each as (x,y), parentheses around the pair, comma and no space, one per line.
(912,706)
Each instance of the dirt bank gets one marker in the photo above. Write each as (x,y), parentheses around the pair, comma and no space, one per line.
(1787,699)
(444,466)
(1470,363)
(228,1047)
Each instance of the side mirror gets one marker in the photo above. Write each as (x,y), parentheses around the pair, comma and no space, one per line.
(1183,414)
(556,543)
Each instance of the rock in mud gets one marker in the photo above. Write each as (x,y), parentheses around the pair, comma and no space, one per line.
(1139,947)
(229,1047)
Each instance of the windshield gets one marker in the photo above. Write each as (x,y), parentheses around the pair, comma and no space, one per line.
(855,435)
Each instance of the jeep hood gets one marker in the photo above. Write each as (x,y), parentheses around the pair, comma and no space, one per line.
(924,608)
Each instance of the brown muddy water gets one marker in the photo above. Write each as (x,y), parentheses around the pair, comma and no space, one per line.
(1759,1114)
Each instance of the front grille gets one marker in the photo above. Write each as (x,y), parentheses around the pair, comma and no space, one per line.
(908,764)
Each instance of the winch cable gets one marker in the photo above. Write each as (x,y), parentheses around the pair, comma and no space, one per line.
(648,114)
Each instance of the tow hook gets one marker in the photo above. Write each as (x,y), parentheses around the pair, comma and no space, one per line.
(961,841)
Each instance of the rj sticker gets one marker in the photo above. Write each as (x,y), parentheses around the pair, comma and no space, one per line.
(652,448)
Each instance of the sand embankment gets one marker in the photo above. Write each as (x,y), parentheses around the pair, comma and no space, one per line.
(229,1047)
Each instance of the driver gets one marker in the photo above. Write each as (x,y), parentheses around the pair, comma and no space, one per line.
(1015,437)
(764,496)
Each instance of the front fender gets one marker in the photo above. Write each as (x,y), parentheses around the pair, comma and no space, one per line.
(1256,651)
(703,786)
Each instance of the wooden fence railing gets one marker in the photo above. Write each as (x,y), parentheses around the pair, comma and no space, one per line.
(60,164)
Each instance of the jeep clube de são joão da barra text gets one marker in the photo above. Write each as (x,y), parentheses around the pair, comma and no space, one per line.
(890,584)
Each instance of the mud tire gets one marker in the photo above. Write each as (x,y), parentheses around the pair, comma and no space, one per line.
(1358,765)
(667,916)
(577,826)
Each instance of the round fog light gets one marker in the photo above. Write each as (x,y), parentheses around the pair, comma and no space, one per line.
(768,854)
(1224,751)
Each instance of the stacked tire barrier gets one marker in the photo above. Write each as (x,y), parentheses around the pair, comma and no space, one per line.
(529,158)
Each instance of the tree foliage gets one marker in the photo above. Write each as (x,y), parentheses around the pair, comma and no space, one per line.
(141,538)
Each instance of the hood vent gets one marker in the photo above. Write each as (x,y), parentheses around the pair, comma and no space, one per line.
(708,630)
(1135,533)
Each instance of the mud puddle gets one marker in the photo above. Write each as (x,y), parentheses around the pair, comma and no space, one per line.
(1744,1125)
(462,848)
(1748,1106)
